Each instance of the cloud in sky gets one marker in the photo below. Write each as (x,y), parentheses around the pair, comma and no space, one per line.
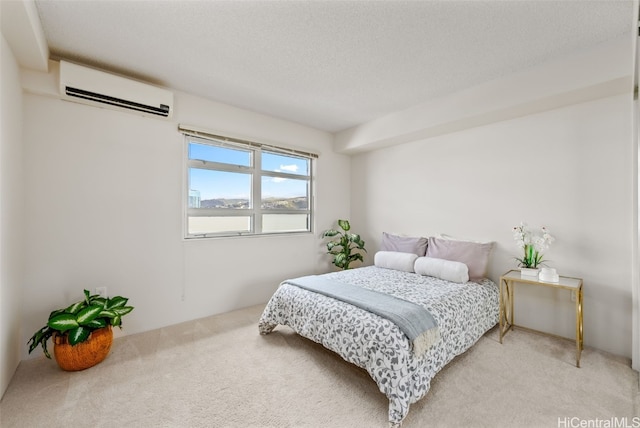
(284,168)
(289,168)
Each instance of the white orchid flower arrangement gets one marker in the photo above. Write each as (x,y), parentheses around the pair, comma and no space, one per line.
(532,243)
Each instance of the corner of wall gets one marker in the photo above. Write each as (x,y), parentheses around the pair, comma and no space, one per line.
(11,255)
(635,273)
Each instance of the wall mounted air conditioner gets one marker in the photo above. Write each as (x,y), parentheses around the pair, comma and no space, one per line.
(97,88)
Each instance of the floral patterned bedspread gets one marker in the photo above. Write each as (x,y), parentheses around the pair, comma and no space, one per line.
(464,312)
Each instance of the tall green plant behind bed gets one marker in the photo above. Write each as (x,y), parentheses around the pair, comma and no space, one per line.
(344,246)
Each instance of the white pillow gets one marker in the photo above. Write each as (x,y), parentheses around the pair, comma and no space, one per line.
(395,260)
(443,269)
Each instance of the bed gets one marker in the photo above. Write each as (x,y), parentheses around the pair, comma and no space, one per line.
(463,311)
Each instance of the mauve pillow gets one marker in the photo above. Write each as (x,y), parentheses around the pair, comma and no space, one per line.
(473,254)
(404,244)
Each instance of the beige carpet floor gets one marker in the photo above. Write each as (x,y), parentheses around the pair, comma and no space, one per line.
(219,372)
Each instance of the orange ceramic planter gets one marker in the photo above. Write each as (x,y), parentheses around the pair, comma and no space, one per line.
(85,354)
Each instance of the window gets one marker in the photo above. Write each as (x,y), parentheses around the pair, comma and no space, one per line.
(237,187)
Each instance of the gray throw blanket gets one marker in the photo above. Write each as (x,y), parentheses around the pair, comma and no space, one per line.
(413,320)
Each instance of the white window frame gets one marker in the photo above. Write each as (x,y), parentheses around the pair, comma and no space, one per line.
(256,211)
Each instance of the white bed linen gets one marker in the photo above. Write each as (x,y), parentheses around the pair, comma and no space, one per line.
(464,312)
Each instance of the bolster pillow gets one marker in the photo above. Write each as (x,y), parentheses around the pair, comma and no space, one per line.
(395,260)
(443,269)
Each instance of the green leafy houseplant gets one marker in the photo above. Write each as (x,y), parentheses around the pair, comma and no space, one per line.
(77,321)
(344,246)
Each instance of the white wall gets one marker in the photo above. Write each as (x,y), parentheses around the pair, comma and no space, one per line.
(569,169)
(11,191)
(605,69)
(103,195)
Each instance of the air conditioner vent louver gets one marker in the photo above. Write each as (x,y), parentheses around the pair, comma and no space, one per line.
(93,87)
(163,110)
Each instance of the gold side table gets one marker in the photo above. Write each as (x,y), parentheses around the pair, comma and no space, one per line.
(507,288)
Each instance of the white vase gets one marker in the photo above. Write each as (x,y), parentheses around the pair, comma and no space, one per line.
(529,272)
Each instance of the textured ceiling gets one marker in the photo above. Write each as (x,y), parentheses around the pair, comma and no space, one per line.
(327,64)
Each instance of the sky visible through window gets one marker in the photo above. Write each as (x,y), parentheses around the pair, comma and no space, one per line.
(232,185)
